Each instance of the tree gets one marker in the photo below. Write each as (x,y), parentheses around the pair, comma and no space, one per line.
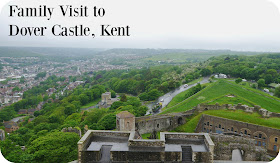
(144,96)
(21,80)
(141,111)
(55,147)
(238,80)
(69,109)
(10,151)
(123,98)
(113,94)
(83,99)
(45,98)
(53,96)
(108,121)
(95,115)
(40,75)
(116,105)
(277,92)
(153,94)
(268,78)
(261,83)
(189,78)
(205,72)
(16,89)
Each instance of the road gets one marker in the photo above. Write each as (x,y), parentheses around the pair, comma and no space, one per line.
(17,119)
(170,95)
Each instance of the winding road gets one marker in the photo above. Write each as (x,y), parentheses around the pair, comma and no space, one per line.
(170,95)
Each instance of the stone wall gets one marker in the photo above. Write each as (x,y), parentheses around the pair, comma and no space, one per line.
(225,144)
(84,142)
(125,124)
(70,129)
(110,133)
(146,143)
(88,156)
(205,157)
(138,147)
(82,145)
(263,136)
(148,124)
(256,108)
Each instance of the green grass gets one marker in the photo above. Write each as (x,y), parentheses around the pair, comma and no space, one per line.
(231,100)
(190,125)
(178,98)
(145,136)
(223,87)
(238,115)
(95,102)
(247,86)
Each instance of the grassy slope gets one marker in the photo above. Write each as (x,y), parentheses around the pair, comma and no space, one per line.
(221,88)
(190,125)
(230,100)
(246,86)
(91,104)
(181,96)
(238,115)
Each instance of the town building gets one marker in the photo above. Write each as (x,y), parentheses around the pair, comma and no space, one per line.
(222,76)
(10,126)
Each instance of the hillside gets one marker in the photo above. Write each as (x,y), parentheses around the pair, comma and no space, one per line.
(215,91)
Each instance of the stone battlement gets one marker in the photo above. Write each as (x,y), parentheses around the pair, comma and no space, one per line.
(265,113)
(121,146)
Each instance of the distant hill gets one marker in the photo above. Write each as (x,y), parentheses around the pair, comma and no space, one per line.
(173,51)
(78,52)
(46,51)
(17,52)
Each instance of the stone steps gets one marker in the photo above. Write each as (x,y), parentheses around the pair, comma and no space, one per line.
(186,154)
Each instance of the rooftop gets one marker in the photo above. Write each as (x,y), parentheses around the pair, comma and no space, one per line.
(125,114)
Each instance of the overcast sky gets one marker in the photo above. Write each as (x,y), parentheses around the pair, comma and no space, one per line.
(250,25)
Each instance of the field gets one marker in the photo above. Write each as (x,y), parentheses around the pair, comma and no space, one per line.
(238,115)
(223,88)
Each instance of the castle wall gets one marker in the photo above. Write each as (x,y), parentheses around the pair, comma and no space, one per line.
(256,108)
(225,144)
(140,150)
(148,124)
(263,136)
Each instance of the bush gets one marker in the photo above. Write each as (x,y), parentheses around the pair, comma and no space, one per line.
(238,80)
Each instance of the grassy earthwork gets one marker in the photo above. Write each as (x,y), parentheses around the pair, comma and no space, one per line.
(217,91)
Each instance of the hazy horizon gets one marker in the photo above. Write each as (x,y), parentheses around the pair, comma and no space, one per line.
(137,48)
